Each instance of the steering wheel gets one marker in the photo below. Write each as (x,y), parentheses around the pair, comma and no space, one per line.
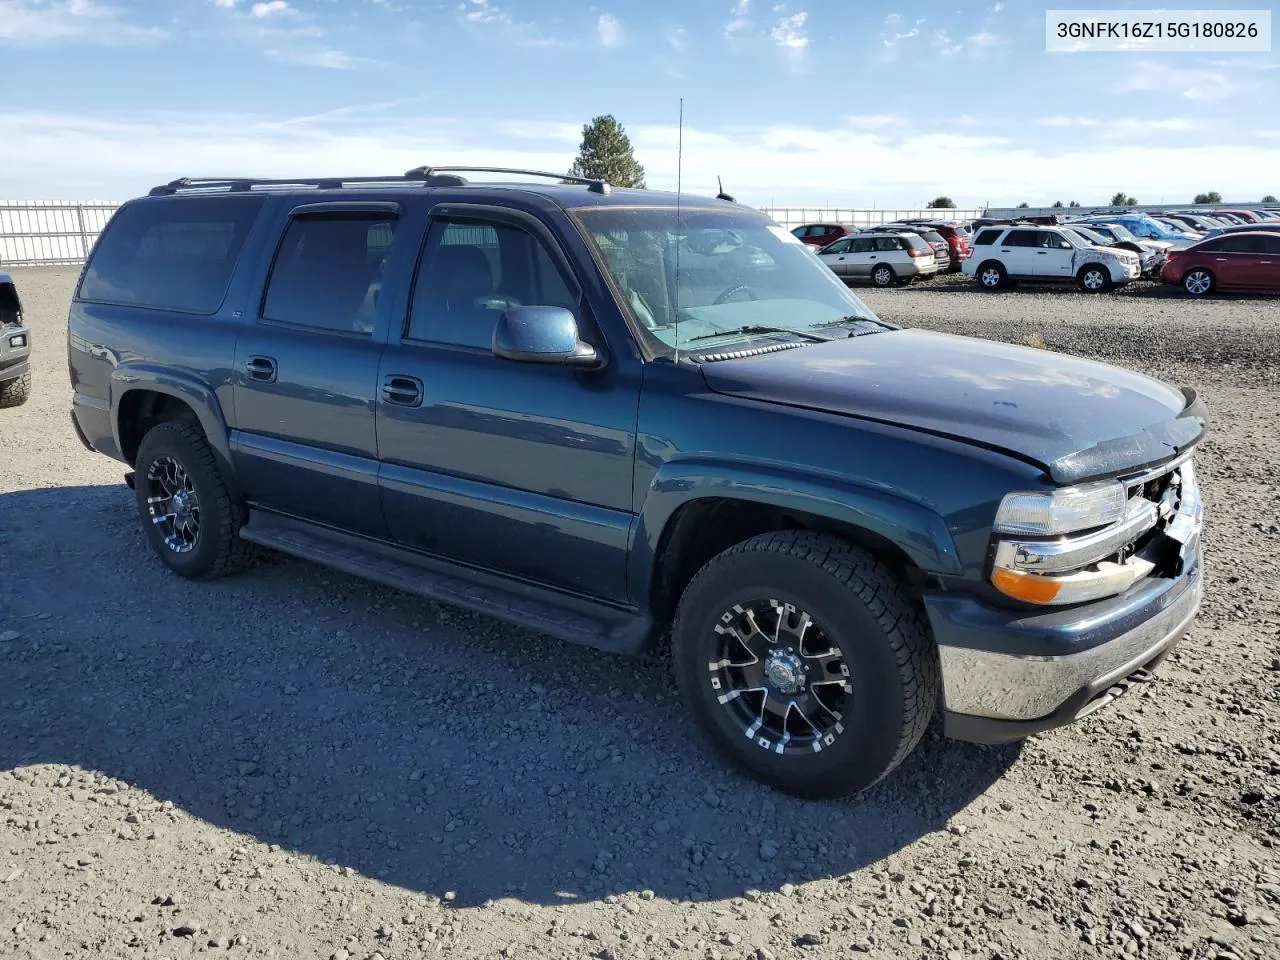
(731,291)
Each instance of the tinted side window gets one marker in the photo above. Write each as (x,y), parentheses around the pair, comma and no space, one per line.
(1244,244)
(863,245)
(174,253)
(986,237)
(472,272)
(888,243)
(1272,244)
(328,272)
(1022,238)
(840,246)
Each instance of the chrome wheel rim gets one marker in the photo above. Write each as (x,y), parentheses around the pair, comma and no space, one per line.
(1093,279)
(173,504)
(990,277)
(883,277)
(1198,282)
(779,678)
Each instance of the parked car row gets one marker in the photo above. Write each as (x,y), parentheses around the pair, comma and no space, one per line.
(1228,249)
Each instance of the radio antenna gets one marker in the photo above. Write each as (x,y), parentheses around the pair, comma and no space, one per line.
(679,190)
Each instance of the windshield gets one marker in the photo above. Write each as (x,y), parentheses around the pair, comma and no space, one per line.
(736,269)
(1087,236)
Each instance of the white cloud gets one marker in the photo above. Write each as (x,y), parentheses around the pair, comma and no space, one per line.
(894,31)
(997,7)
(481,11)
(270,8)
(738,18)
(328,59)
(789,32)
(34,22)
(609,31)
(677,38)
(42,153)
(1195,84)
(983,38)
(1119,126)
(225,4)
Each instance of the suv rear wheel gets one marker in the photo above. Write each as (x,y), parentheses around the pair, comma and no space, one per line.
(190,518)
(802,660)
(992,275)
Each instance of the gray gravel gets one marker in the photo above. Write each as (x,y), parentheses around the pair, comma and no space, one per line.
(295,763)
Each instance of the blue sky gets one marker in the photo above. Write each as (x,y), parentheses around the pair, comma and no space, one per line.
(841,102)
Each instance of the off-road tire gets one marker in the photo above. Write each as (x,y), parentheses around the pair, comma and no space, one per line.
(863,610)
(218,549)
(15,392)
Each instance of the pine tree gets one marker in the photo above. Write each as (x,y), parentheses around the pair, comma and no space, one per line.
(606,155)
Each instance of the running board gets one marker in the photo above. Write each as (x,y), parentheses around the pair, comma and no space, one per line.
(536,608)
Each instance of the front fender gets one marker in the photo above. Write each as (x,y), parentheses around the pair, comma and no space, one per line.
(128,377)
(913,527)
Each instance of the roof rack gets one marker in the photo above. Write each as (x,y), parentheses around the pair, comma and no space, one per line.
(595,185)
(427,176)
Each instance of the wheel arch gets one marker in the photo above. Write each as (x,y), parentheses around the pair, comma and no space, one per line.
(143,396)
(695,511)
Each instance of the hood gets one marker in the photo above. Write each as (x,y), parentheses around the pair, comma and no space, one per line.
(1075,418)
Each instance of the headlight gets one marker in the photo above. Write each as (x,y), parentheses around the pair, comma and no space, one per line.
(1064,510)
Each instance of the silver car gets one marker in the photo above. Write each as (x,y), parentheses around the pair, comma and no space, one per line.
(882,258)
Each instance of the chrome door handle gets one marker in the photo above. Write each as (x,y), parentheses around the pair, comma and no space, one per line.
(262,369)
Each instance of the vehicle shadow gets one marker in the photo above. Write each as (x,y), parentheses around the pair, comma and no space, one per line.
(426,748)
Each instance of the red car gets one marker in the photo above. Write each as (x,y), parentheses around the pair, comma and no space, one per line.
(1248,216)
(956,234)
(820,234)
(1248,260)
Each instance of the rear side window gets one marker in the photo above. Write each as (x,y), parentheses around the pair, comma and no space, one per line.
(328,273)
(1243,244)
(175,253)
(986,238)
(863,245)
(1272,244)
(1022,238)
(888,243)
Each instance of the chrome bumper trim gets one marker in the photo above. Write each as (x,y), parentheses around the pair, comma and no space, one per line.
(1006,687)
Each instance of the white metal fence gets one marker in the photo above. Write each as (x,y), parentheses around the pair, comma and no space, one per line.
(50,231)
(63,231)
(794,216)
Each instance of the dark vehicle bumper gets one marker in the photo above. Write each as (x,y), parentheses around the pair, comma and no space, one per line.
(15,351)
(1008,675)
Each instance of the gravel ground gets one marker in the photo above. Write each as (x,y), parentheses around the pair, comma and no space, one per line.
(293,763)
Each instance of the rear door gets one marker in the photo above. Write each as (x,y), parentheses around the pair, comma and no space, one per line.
(1018,252)
(306,367)
(1269,265)
(1239,261)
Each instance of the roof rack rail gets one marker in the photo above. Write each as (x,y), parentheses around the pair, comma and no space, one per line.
(239,184)
(595,185)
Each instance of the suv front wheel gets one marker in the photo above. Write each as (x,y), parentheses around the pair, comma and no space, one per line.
(189,517)
(801,658)
(1095,278)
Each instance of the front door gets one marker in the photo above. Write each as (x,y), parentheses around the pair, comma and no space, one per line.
(306,370)
(1055,257)
(524,469)
(837,257)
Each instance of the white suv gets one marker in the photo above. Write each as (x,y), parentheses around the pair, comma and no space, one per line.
(1026,251)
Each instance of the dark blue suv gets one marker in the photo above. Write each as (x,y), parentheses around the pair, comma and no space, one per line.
(627,418)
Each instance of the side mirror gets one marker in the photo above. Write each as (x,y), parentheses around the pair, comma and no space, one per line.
(542,335)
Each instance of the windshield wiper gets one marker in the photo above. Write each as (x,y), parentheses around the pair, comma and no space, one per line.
(855,318)
(760,328)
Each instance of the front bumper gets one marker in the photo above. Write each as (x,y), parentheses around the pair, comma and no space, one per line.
(994,697)
(15,348)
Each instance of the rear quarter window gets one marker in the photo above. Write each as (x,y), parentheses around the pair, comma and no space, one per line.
(176,253)
(986,238)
